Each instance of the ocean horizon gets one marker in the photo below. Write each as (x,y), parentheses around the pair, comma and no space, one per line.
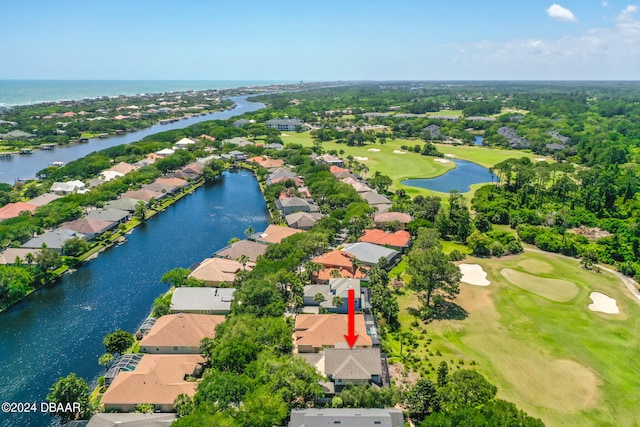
(28,92)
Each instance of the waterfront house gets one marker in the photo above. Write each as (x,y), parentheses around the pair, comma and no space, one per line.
(112,215)
(160,188)
(238,156)
(202,300)
(180,333)
(13,210)
(144,195)
(157,379)
(369,254)
(90,227)
(400,218)
(219,271)
(70,187)
(275,233)
(173,182)
(400,240)
(346,417)
(52,239)
(123,203)
(314,332)
(295,204)
(267,162)
(242,247)
(9,255)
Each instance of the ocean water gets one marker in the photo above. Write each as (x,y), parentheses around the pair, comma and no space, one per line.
(24,92)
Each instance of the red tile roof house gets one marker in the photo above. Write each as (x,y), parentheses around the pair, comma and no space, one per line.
(400,240)
(339,261)
(180,333)
(158,379)
(314,332)
(13,210)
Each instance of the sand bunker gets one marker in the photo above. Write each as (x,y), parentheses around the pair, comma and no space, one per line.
(442,160)
(361,159)
(283,134)
(374,149)
(449,155)
(473,274)
(399,152)
(540,159)
(603,303)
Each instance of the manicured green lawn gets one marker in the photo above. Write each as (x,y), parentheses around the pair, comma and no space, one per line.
(532,334)
(412,165)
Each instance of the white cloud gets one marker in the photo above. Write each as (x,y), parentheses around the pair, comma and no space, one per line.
(605,3)
(560,13)
(595,54)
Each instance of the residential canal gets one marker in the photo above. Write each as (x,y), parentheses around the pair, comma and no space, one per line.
(59,330)
(26,166)
(459,179)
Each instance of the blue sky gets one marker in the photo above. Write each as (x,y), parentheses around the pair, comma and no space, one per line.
(313,40)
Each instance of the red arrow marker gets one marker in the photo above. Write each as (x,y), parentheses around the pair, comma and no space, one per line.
(352,337)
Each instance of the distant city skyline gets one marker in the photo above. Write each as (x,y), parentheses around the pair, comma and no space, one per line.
(320,41)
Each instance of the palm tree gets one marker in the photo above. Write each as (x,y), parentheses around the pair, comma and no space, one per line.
(243,259)
(337,302)
(335,274)
(319,298)
(106,360)
(249,232)
(355,265)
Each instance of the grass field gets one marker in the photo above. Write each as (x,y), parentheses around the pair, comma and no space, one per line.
(531,334)
(412,165)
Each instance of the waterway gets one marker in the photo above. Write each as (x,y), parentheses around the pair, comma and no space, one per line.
(26,166)
(59,329)
(478,140)
(459,179)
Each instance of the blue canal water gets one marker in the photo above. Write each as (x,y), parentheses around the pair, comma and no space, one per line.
(459,179)
(27,166)
(59,329)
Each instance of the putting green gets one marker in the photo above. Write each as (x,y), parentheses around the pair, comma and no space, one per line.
(558,290)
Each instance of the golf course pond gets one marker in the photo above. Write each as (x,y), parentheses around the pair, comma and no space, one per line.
(459,179)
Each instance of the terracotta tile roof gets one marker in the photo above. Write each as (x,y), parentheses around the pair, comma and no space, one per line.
(276,233)
(325,275)
(399,239)
(13,210)
(336,169)
(174,182)
(181,330)
(141,194)
(123,168)
(401,217)
(218,270)
(338,259)
(243,247)
(267,162)
(327,330)
(158,379)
